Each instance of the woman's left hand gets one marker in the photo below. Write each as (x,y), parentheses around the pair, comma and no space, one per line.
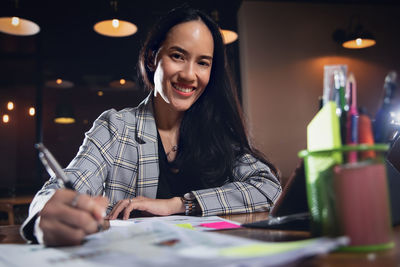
(153,206)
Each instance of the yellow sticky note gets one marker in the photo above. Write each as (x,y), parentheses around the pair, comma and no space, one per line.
(185,225)
(263,249)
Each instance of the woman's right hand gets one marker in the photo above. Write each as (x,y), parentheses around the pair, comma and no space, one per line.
(67,217)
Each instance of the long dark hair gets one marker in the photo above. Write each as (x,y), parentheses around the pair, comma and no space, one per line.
(212,134)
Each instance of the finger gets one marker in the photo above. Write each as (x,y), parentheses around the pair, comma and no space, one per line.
(71,216)
(118,208)
(80,219)
(128,210)
(96,207)
(111,215)
(101,202)
(56,233)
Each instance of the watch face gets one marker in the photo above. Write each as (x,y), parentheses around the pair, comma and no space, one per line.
(189,196)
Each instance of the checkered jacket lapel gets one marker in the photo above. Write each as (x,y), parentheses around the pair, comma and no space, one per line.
(146,137)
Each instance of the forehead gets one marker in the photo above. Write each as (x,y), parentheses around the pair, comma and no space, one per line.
(193,36)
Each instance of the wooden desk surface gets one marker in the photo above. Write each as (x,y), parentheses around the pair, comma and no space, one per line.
(10,234)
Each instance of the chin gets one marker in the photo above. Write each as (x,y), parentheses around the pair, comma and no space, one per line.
(181,106)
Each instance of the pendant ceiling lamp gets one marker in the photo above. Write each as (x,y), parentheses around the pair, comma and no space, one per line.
(64,113)
(115,27)
(359,40)
(16,25)
(59,83)
(122,84)
(355,37)
(228,36)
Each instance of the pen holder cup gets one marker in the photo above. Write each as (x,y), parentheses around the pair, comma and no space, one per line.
(350,199)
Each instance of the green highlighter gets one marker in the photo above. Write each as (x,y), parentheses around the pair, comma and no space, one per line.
(323,133)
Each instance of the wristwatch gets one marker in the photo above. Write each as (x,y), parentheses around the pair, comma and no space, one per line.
(190,203)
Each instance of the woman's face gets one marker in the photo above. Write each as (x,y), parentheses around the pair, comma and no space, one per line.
(183,64)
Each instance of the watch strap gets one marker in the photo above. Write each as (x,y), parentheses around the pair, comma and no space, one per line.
(190,203)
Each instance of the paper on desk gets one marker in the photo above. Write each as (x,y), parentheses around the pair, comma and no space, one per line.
(192,222)
(156,243)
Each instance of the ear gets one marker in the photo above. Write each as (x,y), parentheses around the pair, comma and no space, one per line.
(151,62)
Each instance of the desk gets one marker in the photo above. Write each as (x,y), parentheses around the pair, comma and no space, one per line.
(10,234)
(7,205)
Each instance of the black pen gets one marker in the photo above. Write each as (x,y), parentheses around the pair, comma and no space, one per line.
(52,166)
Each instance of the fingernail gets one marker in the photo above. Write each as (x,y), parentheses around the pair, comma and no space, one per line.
(103,214)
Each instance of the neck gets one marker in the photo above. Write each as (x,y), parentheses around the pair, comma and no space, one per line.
(167,119)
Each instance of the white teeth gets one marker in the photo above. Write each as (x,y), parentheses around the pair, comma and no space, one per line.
(184,90)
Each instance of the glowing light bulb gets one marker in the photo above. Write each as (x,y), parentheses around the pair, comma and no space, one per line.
(32,111)
(358,41)
(10,105)
(122,81)
(59,81)
(115,23)
(100,93)
(15,21)
(6,118)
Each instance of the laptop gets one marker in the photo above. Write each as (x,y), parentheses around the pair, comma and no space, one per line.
(291,210)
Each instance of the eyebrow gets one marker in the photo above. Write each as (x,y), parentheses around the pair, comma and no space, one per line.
(183,51)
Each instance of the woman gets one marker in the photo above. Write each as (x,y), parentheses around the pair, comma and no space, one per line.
(182,150)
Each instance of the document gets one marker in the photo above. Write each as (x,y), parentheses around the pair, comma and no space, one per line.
(158,243)
(208,223)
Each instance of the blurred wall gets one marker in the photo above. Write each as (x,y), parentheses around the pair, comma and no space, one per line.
(283,48)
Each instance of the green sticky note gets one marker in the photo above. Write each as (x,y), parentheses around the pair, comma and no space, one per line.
(323,132)
(263,249)
(185,225)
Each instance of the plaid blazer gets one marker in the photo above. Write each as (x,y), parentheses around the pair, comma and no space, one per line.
(119,159)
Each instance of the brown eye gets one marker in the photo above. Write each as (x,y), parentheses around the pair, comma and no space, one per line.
(177,56)
(204,63)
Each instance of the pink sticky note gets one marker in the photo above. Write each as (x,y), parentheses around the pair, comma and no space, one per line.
(220,225)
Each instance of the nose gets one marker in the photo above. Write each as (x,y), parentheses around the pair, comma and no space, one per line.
(188,72)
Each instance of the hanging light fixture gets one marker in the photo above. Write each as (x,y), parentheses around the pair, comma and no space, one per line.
(31,111)
(64,114)
(355,37)
(359,40)
(59,83)
(15,25)
(115,27)
(228,36)
(6,118)
(122,84)
(10,105)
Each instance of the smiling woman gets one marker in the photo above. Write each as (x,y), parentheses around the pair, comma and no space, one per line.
(184,149)
(183,65)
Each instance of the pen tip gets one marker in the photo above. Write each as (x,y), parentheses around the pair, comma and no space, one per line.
(37,145)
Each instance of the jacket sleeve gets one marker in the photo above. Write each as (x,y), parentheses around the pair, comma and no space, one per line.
(254,189)
(87,171)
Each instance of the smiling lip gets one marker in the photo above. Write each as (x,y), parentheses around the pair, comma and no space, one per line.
(184,90)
